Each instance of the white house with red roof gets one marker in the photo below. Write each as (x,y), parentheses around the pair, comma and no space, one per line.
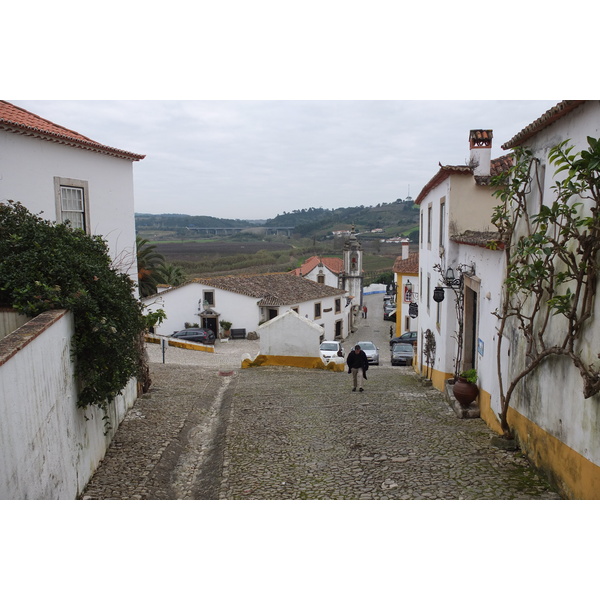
(456,210)
(67,176)
(247,301)
(49,448)
(322,269)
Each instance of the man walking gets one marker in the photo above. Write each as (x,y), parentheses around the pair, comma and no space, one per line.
(357,362)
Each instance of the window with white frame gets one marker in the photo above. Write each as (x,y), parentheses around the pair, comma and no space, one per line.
(72,202)
(429,223)
(442,220)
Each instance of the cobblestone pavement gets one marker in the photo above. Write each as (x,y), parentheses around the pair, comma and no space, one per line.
(286,433)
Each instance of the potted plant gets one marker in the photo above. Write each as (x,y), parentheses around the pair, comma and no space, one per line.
(465,388)
(226,327)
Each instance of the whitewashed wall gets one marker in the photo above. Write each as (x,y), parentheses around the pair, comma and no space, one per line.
(181,306)
(27,172)
(48,450)
(290,334)
(489,269)
(429,256)
(552,396)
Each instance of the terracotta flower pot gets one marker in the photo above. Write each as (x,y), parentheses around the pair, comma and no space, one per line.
(465,392)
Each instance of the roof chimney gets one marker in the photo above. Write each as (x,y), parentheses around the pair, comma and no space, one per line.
(480,143)
(405,249)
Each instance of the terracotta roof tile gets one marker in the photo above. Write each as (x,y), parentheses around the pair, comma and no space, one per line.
(336,265)
(550,116)
(492,240)
(21,121)
(273,289)
(408,265)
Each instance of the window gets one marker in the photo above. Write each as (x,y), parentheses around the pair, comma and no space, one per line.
(421,229)
(72,205)
(317,310)
(321,279)
(209,298)
(442,221)
(429,226)
(338,305)
(428,291)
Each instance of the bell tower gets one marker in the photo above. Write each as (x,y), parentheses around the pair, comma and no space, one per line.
(352,279)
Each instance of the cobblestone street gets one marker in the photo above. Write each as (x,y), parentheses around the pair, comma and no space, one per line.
(286,433)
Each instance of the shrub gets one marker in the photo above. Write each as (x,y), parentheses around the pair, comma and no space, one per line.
(43,266)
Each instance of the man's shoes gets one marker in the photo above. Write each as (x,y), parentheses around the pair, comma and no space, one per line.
(360,389)
(354,389)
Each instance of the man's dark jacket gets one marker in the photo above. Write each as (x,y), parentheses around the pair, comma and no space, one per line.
(357,361)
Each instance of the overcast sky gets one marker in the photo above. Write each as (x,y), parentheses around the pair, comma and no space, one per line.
(256,159)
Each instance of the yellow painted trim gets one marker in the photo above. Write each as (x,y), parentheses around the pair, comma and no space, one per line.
(486,412)
(438,378)
(303,362)
(576,477)
(151,339)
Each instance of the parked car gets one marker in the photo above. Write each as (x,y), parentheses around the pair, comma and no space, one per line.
(195,334)
(371,351)
(402,354)
(410,337)
(388,298)
(330,350)
(389,312)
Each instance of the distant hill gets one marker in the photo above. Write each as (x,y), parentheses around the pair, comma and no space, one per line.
(179,221)
(396,218)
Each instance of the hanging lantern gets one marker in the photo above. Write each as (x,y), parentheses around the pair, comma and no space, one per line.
(413,310)
(438,294)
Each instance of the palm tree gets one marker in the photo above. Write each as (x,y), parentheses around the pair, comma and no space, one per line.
(149,263)
(170,274)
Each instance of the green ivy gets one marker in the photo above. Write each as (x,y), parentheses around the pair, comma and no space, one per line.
(43,266)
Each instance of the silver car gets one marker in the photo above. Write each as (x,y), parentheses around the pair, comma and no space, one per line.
(330,350)
(371,351)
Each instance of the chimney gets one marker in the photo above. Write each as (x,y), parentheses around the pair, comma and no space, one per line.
(480,143)
(404,249)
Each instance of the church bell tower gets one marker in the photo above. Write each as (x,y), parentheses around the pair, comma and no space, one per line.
(352,279)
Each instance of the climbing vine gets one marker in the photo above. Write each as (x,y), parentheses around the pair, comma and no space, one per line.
(551,250)
(43,266)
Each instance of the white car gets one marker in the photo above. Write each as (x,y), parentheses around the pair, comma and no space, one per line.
(330,350)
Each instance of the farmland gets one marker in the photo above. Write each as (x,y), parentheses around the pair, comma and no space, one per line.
(228,256)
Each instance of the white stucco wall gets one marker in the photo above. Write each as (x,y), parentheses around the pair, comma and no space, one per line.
(48,450)
(27,169)
(331,278)
(290,334)
(181,306)
(552,396)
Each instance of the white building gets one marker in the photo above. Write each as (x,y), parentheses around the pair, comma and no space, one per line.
(326,270)
(64,175)
(49,448)
(250,300)
(556,425)
(457,201)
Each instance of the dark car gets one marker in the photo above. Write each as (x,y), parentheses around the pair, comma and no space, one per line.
(402,354)
(195,334)
(410,337)
(389,312)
